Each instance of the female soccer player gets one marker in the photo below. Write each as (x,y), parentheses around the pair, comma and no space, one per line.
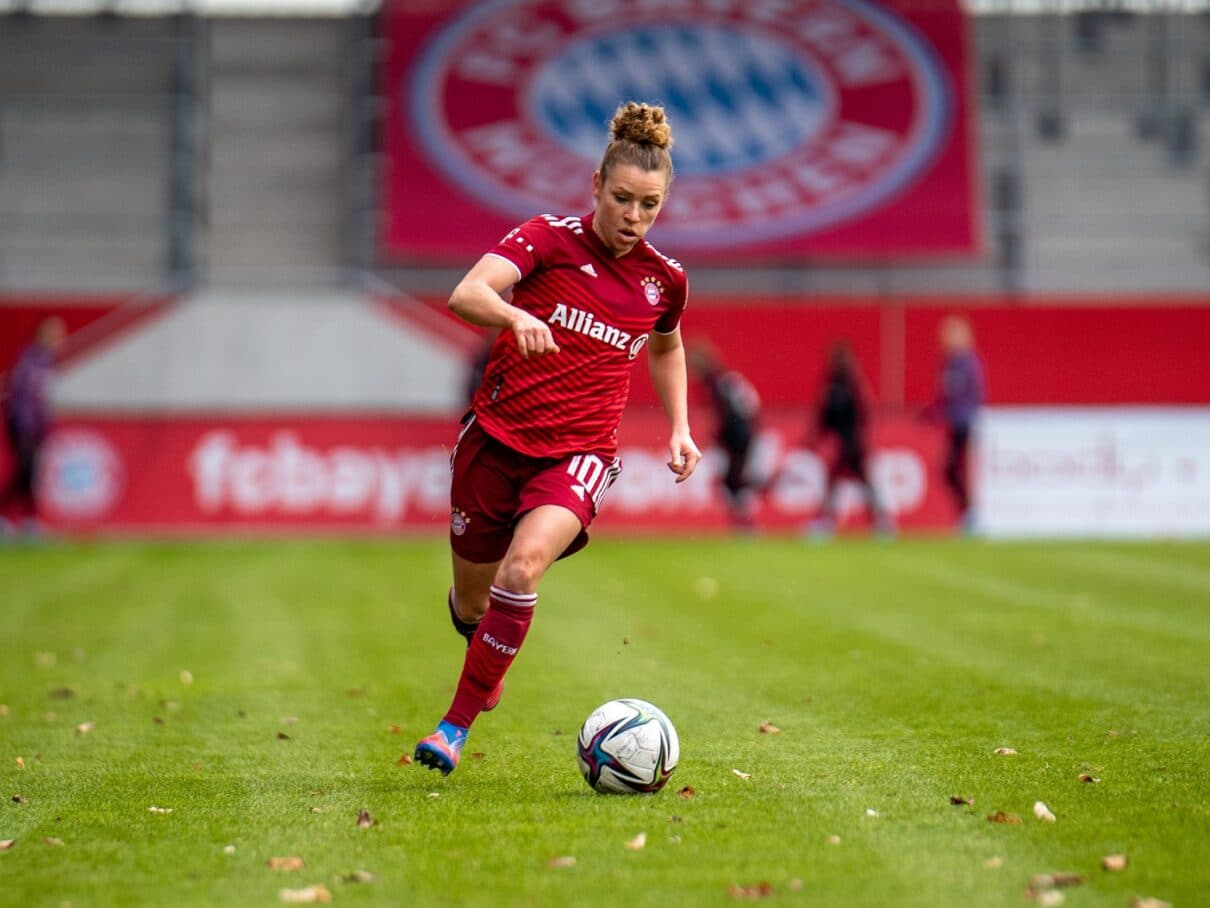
(539,448)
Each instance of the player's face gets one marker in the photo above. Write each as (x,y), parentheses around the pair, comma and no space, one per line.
(628,200)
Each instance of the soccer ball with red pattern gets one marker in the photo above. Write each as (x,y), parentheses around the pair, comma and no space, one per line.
(627,747)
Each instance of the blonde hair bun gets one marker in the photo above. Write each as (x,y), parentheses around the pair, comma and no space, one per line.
(644,124)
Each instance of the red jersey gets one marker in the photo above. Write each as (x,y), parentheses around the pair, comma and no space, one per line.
(601,311)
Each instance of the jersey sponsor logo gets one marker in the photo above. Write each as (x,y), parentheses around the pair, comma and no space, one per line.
(780,108)
(584,322)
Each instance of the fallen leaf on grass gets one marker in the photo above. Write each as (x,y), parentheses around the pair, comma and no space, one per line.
(308,895)
(994,863)
(18,799)
(768,728)
(319,810)
(61,693)
(796,885)
(289,720)
(186,677)
(638,843)
(1008,819)
(160,809)
(286,864)
(282,736)
(871,812)
(1114,862)
(741,775)
(959,801)
(6,844)
(394,729)
(434,794)
(158,720)
(1004,752)
(53,841)
(364,820)
(675,819)
(1085,777)
(1146,901)
(566,860)
(761,890)
(833,840)
(1042,812)
(358,876)
(85,727)
(1060,880)
(20,761)
(44,660)
(228,849)
(3,709)
(405,760)
(1047,898)
(478,755)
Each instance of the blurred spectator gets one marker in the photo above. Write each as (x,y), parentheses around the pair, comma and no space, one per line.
(841,421)
(737,410)
(959,395)
(28,420)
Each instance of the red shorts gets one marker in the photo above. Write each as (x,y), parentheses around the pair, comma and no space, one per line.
(494,486)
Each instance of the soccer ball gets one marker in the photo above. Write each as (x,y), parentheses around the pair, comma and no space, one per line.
(627,747)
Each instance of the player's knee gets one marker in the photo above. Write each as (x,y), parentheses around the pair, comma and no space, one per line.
(521,569)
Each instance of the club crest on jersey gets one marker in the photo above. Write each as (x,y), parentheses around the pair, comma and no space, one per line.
(653,290)
(458,522)
(777,107)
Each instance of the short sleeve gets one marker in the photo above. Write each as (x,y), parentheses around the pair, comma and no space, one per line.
(525,246)
(679,297)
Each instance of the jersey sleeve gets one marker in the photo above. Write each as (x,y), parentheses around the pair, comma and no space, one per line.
(678,297)
(525,246)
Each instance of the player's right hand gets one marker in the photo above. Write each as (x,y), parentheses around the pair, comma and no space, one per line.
(533,336)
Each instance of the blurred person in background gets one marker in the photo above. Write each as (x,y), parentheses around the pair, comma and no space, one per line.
(960,393)
(737,412)
(28,419)
(842,417)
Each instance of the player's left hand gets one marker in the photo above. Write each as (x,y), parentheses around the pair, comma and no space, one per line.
(685,455)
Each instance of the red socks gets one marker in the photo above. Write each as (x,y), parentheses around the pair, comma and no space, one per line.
(492,650)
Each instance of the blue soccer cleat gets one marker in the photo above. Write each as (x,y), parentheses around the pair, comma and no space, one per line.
(442,749)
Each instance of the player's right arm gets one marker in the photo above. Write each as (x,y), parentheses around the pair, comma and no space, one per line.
(479,299)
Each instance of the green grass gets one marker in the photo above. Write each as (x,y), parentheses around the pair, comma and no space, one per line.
(893,671)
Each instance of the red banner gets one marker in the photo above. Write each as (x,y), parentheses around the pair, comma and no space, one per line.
(195,475)
(834,128)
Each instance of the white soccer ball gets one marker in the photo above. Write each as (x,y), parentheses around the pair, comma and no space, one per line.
(627,747)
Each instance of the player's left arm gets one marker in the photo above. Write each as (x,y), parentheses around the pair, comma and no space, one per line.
(666,362)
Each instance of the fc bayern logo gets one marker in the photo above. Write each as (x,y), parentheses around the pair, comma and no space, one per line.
(81,475)
(789,118)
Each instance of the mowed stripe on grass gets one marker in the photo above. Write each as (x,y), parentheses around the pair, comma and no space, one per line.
(892,670)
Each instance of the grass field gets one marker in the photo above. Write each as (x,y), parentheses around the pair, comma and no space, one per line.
(264,691)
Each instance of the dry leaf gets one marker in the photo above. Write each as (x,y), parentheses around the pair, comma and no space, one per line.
(3,709)
(434,794)
(1146,901)
(395,729)
(160,809)
(319,810)
(308,895)
(477,755)
(1008,819)
(282,736)
(687,792)
(61,693)
(1113,733)
(1004,752)
(364,820)
(44,660)
(228,849)
(1085,777)
(1114,862)
(741,775)
(1042,812)
(170,706)
(6,844)
(51,717)
(567,860)
(20,761)
(958,801)
(158,720)
(358,876)
(833,840)
(289,720)
(18,799)
(761,890)
(186,677)
(675,819)
(1047,898)
(52,840)
(85,727)
(795,885)
(674,840)
(768,728)
(994,863)
(286,864)
(638,843)
(871,812)
(1060,880)
(405,760)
